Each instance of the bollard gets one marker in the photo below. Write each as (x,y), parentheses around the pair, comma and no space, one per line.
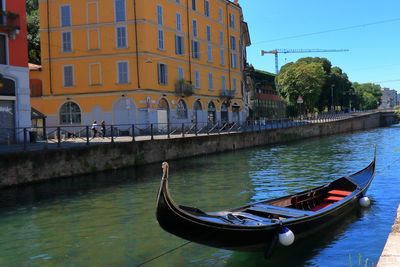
(87,135)
(133,132)
(58,136)
(183,130)
(112,133)
(151,131)
(25,141)
(169,130)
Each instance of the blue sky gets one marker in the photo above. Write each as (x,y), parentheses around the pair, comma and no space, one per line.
(374,54)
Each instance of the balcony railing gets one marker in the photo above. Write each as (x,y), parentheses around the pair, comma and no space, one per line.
(183,88)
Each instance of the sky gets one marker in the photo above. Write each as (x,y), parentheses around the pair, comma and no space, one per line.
(370,29)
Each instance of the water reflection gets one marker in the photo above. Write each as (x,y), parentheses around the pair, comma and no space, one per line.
(108,219)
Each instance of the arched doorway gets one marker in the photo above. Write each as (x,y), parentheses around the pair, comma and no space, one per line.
(162,113)
(224,113)
(197,112)
(235,113)
(124,113)
(7,110)
(70,113)
(211,113)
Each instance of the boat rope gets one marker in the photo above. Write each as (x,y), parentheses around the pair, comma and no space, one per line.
(163,254)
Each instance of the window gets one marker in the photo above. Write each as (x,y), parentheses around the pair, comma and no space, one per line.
(194,24)
(221,38)
(194,5)
(179,45)
(208,33)
(220,15)
(233,60)
(68,76)
(94,39)
(162,74)
(65,16)
(66,42)
(233,43)
(210,81)
(181,110)
(222,56)
(178,22)
(209,53)
(180,73)
(160,39)
(70,113)
(178,1)
(119,10)
(159,15)
(232,20)
(3,49)
(195,49)
(206,8)
(234,84)
(123,72)
(121,37)
(223,83)
(196,79)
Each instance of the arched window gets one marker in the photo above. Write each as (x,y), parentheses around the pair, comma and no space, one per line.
(70,113)
(211,113)
(163,104)
(181,110)
(197,105)
(224,113)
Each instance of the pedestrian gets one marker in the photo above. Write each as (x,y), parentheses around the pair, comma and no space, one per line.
(103,129)
(94,128)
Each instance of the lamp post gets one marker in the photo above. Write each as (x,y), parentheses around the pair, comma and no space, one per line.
(332,86)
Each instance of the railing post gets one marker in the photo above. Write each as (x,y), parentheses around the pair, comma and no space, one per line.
(87,135)
(208,133)
(151,131)
(168,129)
(25,141)
(183,130)
(195,129)
(133,132)
(58,136)
(219,128)
(112,133)
(259,125)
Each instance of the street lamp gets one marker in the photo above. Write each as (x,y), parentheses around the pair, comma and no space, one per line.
(332,86)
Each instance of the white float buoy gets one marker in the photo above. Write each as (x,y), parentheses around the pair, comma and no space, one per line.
(286,237)
(364,202)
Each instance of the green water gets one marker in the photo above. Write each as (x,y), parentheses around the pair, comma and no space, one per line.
(108,219)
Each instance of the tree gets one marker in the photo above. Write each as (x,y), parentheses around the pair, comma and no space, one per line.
(368,95)
(342,88)
(304,79)
(32,20)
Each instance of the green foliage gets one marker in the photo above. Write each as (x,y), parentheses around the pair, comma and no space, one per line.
(304,79)
(368,95)
(32,19)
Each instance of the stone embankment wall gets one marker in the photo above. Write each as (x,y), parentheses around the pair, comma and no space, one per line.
(391,253)
(21,168)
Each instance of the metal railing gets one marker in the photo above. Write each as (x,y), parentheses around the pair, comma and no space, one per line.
(53,137)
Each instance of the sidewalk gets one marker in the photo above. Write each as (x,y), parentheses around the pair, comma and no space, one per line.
(391,253)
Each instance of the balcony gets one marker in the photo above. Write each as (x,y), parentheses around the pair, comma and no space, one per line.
(183,88)
(227,95)
(9,23)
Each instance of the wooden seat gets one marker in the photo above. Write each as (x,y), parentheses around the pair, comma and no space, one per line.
(260,209)
(333,198)
(341,193)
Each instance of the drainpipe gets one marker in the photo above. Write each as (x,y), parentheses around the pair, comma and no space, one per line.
(188,37)
(228,39)
(136,44)
(49,47)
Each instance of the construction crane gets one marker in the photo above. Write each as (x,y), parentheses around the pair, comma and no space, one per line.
(286,51)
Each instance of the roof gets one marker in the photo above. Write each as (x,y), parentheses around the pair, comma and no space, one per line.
(34,67)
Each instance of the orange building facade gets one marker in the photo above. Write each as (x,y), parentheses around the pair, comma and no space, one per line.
(142,61)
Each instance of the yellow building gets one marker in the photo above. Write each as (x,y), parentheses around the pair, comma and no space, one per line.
(141,61)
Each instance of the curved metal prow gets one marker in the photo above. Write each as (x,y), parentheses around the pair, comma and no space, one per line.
(165,168)
(374,152)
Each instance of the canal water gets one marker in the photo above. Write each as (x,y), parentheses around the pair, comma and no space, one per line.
(108,219)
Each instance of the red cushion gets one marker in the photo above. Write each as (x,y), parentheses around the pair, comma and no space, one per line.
(342,193)
(333,198)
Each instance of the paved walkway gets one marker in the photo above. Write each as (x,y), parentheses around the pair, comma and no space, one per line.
(391,253)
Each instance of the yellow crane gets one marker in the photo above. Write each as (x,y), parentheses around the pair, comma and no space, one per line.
(286,51)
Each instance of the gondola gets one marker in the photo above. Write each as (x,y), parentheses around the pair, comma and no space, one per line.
(262,225)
